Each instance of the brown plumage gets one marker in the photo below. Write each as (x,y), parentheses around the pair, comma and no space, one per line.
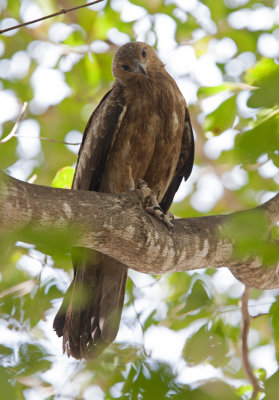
(140,130)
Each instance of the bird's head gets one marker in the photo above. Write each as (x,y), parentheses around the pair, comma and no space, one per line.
(134,59)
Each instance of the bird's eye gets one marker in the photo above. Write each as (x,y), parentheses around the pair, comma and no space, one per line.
(144,53)
(125,67)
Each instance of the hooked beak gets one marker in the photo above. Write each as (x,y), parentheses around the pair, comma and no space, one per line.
(140,67)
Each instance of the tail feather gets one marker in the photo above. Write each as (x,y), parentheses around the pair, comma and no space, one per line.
(112,299)
(89,316)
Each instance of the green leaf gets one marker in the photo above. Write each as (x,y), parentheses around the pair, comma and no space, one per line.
(196,348)
(8,149)
(248,231)
(219,345)
(149,381)
(76,38)
(178,284)
(218,390)
(32,359)
(274,313)
(261,70)
(13,7)
(207,344)
(262,138)
(6,384)
(244,39)
(204,91)
(150,320)
(63,178)
(54,242)
(154,6)
(5,352)
(185,29)
(245,391)
(196,299)
(222,118)
(265,76)
(217,8)
(268,93)
(272,387)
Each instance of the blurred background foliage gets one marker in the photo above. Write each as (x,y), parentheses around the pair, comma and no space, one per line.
(180,334)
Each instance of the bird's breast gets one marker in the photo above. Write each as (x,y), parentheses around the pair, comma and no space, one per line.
(148,142)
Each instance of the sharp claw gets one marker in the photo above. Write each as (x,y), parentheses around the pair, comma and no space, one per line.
(158,208)
(158,213)
(155,210)
(168,223)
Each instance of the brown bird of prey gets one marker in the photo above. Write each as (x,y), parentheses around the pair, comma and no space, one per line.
(141,130)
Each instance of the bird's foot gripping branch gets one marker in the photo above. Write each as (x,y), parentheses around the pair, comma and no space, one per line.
(141,130)
(118,226)
(152,206)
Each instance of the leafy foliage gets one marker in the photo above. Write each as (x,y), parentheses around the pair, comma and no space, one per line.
(63,178)
(62,68)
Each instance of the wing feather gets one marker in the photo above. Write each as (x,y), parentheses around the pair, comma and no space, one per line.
(89,316)
(184,165)
(98,136)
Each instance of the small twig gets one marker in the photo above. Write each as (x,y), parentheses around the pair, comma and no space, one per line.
(244,348)
(13,131)
(48,139)
(260,315)
(33,178)
(13,134)
(223,310)
(21,289)
(138,319)
(63,11)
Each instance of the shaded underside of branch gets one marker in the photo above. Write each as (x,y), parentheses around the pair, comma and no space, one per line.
(118,226)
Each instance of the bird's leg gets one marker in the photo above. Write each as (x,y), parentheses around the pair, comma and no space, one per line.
(151,206)
(158,213)
(143,190)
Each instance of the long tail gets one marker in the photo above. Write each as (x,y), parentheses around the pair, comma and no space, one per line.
(89,316)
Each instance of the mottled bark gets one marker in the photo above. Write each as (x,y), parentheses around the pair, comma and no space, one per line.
(118,226)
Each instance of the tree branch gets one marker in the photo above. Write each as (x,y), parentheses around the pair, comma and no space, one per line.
(45,139)
(244,343)
(63,11)
(118,226)
(16,125)
(15,128)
